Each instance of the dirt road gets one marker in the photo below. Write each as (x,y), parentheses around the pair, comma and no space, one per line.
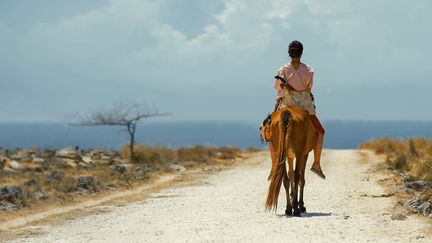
(229,206)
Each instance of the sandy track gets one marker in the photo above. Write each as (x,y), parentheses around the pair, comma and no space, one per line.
(229,206)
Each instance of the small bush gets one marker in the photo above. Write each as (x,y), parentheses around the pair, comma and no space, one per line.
(197,153)
(401,162)
(66,185)
(149,154)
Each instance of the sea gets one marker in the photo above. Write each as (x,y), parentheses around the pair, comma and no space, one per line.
(339,134)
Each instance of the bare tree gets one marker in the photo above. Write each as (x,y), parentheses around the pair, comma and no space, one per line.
(121,114)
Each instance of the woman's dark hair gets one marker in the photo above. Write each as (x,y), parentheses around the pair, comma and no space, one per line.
(295,49)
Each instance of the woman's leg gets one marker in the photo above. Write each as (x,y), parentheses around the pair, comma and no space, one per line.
(316,166)
(317,151)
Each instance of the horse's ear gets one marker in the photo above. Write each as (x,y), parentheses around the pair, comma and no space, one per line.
(267,120)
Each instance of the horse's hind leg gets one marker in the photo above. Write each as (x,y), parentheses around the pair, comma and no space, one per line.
(302,184)
(288,210)
(297,174)
(291,175)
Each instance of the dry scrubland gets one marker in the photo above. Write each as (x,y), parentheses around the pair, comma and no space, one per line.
(32,178)
(228,206)
(411,163)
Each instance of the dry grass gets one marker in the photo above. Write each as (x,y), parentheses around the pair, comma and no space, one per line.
(150,161)
(163,155)
(412,155)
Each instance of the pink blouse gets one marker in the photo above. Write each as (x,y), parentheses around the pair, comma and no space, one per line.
(300,79)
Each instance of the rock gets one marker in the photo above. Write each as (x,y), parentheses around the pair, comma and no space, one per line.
(120,169)
(426,208)
(385,165)
(398,216)
(38,160)
(16,157)
(141,174)
(86,182)
(69,153)
(207,169)
(95,154)
(400,204)
(120,161)
(7,206)
(38,195)
(12,194)
(413,205)
(407,177)
(417,185)
(27,154)
(146,168)
(83,191)
(110,188)
(70,162)
(87,159)
(176,167)
(409,191)
(54,176)
(13,164)
(189,164)
(106,157)
(211,168)
(10,170)
(31,183)
(85,165)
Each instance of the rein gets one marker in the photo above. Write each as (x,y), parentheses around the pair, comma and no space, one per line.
(285,84)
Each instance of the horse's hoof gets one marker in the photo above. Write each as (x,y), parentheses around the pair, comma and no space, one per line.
(302,209)
(296,213)
(288,212)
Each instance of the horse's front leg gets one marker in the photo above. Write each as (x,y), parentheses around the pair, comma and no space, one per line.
(302,184)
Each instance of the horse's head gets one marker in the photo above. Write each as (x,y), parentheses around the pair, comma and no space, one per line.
(262,128)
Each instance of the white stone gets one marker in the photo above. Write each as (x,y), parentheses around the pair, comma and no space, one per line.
(176,167)
(15,165)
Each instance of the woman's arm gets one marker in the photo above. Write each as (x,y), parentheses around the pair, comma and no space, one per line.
(310,81)
(278,87)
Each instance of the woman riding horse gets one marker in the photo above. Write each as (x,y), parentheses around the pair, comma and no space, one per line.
(293,84)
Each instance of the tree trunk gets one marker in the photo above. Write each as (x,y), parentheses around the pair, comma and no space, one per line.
(131,130)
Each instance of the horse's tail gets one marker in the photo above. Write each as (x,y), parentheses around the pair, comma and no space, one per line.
(276,180)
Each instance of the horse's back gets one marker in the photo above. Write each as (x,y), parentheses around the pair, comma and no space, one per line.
(303,136)
(298,114)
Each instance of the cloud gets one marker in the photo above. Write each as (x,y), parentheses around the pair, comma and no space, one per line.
(146,51)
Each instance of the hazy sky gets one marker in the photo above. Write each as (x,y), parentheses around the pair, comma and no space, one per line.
(215,59)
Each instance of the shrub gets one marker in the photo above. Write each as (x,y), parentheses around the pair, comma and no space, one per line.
(412,155)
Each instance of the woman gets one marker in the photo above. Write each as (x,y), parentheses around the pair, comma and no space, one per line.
(299,76)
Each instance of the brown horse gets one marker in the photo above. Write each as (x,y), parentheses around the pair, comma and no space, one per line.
(292,136)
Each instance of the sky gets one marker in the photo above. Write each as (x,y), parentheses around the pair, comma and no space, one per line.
(213,60)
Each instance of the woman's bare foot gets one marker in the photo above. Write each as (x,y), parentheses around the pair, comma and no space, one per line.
(316,168)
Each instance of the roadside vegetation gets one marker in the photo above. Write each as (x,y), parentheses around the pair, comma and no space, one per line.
(30,177)
(411,155)
(410,160)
